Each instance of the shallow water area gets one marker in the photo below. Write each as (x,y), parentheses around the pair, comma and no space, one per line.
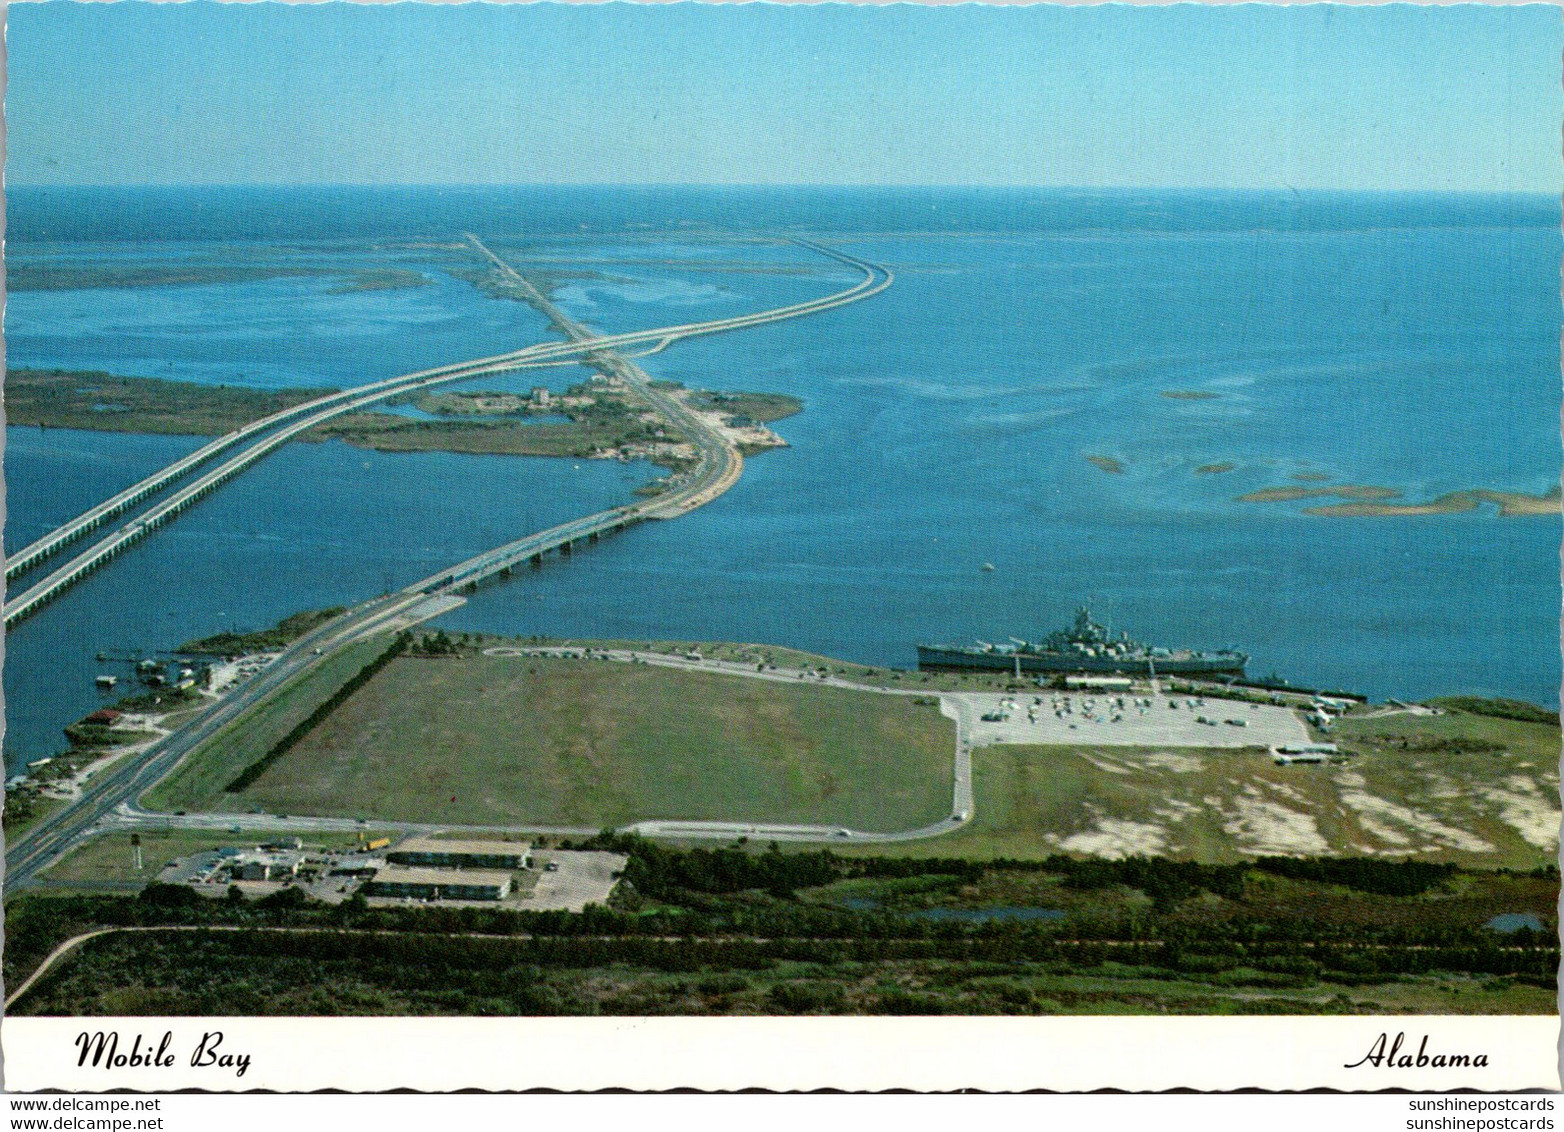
(947,423)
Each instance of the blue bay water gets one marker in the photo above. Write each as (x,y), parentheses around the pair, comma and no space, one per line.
(1404,342)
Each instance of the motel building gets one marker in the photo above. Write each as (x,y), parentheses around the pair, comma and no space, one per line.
(397,881)
(430,853)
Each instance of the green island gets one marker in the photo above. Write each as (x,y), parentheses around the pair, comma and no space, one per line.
(1370,501)
(477,731)
(62,277)
(1452,503)
(1107,464)
(594,419)
(102,402)
(1339,491)
(1215,469)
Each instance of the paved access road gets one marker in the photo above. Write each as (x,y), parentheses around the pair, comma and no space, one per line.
(116,790)
(122,783)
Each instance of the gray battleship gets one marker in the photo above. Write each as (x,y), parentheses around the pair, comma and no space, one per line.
(1084,647)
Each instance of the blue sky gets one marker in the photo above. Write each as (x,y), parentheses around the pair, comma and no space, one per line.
(1399,97)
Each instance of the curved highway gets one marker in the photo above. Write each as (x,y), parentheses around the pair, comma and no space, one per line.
(876,279)
(117,789)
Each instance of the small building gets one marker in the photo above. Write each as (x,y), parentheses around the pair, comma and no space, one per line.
(1308,749)
(428,852)
(439,884)
(104,717)
(262,865)
(356,865)
(1304,753)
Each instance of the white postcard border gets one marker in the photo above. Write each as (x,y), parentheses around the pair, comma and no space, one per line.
(1070,1054)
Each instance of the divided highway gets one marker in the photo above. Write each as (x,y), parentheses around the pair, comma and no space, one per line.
(310,414)
(115,791)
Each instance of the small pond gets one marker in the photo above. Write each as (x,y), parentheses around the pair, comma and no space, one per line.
(1514,922)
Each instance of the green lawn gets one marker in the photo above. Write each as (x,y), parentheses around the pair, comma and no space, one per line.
(198,782)
(592,743)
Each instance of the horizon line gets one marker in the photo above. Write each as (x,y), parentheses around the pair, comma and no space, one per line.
(1286,190)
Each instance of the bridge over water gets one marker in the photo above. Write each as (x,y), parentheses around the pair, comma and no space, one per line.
(706,484)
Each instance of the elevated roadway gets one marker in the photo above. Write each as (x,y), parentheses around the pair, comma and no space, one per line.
(302,418)
(117,789)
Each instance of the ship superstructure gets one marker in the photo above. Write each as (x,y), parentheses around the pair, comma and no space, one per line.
(1085,646)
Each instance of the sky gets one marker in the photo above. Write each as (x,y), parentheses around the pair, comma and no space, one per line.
(1250,96)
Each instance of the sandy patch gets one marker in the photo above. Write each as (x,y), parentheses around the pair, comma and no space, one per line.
(1368,805)
(1382,831)
(1104,765)
(1441,787)
(1265,827)
(1176,810)
(1167,760)
(1288,792)
(1116,837)
(1531,812)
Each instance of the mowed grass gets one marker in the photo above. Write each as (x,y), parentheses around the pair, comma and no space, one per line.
(199,782)
(1479,808)
(515,740)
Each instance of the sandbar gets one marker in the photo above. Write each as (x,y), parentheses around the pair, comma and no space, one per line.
(1287,494)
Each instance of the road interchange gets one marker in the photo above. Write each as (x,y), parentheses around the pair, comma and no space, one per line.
(876,279)
(116,790)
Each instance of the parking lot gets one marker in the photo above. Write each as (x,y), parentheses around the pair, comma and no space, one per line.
(1129,719)
(577,879)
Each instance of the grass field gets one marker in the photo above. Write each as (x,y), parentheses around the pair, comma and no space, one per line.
(1437,799)
(573,742)
(198,782)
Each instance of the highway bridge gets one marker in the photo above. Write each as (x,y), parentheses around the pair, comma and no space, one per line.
(303,417)
(89,520)
(120,786)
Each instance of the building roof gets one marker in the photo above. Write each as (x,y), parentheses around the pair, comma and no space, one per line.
(462,848)
(399,874)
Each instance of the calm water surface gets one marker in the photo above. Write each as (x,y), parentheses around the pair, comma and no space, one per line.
(1407,344)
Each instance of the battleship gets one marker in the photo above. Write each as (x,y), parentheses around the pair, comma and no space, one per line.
(1084,647)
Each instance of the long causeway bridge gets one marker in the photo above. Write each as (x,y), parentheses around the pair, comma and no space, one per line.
(280,428)
(121,785)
